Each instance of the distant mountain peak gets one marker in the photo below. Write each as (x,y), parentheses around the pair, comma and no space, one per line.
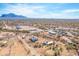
(12,15)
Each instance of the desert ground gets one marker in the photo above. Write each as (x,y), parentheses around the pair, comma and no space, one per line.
(39,38)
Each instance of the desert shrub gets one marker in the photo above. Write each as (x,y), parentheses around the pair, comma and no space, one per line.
(37,45)
(49,53)
(57,50)
(35,34)
(71,46)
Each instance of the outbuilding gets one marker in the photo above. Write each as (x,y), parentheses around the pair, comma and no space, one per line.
(34,39)
(48,43)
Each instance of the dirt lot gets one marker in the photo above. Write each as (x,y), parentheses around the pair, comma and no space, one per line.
(17,46)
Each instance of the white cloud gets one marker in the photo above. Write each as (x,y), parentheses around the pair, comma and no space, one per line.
(71,10)
(22,9)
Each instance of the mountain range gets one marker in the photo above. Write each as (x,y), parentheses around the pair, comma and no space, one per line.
(12,16)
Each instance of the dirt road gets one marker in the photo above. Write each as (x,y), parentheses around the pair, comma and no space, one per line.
(27,47)
(17,47)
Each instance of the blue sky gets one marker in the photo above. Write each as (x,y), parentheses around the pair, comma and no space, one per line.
(42,10)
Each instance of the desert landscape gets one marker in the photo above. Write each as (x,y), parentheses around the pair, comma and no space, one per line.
(39,29)
(43,38)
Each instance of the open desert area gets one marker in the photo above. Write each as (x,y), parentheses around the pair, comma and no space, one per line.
(43,38)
